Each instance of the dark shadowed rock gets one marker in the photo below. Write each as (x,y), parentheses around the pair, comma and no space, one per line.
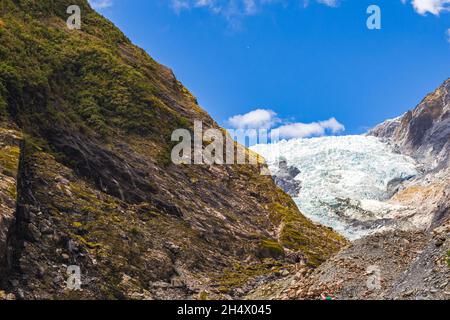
(285,178)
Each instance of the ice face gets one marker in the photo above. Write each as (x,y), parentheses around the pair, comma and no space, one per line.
(344,179)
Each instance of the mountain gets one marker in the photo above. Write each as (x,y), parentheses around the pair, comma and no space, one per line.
(86,179)
(410,257)
(424,132)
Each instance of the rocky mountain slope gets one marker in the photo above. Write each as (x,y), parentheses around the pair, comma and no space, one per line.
(423,132)
(86,178)
(9,160)
(412,260)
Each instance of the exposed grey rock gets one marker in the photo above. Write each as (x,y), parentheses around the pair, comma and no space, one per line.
(424,132)
(285,178)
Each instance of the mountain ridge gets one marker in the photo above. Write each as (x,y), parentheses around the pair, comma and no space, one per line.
(423,132)
(92,115)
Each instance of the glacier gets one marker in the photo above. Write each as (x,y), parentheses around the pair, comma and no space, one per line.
(345,180)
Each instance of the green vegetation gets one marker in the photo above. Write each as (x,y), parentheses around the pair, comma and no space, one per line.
(3,104)
(269,248)
(203,296)
(9,160)
(298,233)
(88,81)
(241,274)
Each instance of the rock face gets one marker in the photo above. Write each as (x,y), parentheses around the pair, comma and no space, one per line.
(9,162)
(424,132)
(285,178)
(96,189)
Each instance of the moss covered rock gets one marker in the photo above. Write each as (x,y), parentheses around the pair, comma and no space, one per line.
(270,249)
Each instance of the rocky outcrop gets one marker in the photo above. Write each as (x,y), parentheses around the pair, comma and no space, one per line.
(423,132)
(285,178)
(9,162)
(96,189)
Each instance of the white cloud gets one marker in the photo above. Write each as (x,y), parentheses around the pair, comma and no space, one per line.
(448,35)
(330,3)
(234,8)
(101,4)
(430,6)
(267,119)
(314,129)
(256,119)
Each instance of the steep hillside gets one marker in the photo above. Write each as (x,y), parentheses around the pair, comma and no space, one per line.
(9,162)
(424,133)
(86,120)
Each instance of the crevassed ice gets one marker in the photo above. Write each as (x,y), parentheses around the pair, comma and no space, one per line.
(344,179)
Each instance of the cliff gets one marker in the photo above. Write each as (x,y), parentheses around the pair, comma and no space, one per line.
(423,132)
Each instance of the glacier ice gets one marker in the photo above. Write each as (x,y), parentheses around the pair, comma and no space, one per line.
(345,179)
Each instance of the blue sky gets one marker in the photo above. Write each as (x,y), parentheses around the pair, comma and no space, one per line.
(307,65)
